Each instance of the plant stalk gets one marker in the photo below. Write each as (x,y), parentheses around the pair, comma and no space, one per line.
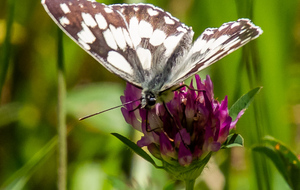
(189,184)
(62,131)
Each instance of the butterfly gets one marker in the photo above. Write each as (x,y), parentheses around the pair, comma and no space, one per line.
(145,45)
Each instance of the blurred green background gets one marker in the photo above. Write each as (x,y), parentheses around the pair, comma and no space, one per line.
(96,159)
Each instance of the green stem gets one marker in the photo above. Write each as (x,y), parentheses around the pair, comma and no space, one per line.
(62,131)
(189,184)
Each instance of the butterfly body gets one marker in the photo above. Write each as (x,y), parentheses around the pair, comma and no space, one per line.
(145,45)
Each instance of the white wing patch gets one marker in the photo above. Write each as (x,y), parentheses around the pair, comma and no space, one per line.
(171,42)
(118,36)
(145,57)
(118,61)
(152,12)
(110,40)
(127,37)
(108,10)
(168,20)
(134,31)
(145,29)
(64,7)
(85,34)
(158,37)
(64,21)
(88,19)
(84,45)
(101,21)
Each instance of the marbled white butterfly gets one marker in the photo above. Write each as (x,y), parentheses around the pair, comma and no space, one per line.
(144,44)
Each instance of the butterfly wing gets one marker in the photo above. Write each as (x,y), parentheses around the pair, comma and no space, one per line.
(138,42)
(160,41)
(212,45)
(102,32)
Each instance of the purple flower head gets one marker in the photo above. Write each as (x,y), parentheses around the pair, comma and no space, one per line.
(200,124)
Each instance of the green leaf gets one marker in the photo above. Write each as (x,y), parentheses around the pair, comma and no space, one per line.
(233,140)
(288,154)
(138,150)
(283,158)
(275,157)
(243,103)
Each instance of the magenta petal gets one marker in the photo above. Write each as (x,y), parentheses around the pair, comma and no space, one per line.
(186,138)
(185,156)
(225,130)
(131,119)
(144,141)
(197,151)
(209,88)
(131,92)
(148,139)
(198,123)
(232,125)
(198,82)
(214,146)
(190,107)
(166,147)
(224,107)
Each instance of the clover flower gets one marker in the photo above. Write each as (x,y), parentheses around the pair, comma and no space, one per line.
(199,123)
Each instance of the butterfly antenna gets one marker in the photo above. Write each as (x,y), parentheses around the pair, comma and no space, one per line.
(88,116)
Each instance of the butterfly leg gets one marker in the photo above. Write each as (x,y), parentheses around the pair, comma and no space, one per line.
(171,115)
(147,124)
(138,107)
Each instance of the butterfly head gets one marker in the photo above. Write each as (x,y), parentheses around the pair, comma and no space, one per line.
(148,99)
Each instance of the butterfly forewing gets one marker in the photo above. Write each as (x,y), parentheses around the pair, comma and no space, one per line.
(102,32)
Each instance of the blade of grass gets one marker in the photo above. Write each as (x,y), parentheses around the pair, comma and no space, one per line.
(62,131)
(6,48)
(17,180)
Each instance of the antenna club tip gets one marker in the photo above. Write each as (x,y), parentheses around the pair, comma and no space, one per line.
(82,118)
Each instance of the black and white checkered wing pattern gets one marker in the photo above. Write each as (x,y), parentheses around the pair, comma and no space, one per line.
(101,31)
(212,45)
(161,41)
(138,42)
(143,44)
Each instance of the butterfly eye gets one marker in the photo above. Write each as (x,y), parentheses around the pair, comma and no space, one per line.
(151,99)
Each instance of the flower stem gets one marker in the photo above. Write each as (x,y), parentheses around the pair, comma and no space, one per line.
(62,131)
(189,184)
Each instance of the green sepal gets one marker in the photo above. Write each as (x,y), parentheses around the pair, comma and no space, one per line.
(135,148)
(233,140)
(190,172)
